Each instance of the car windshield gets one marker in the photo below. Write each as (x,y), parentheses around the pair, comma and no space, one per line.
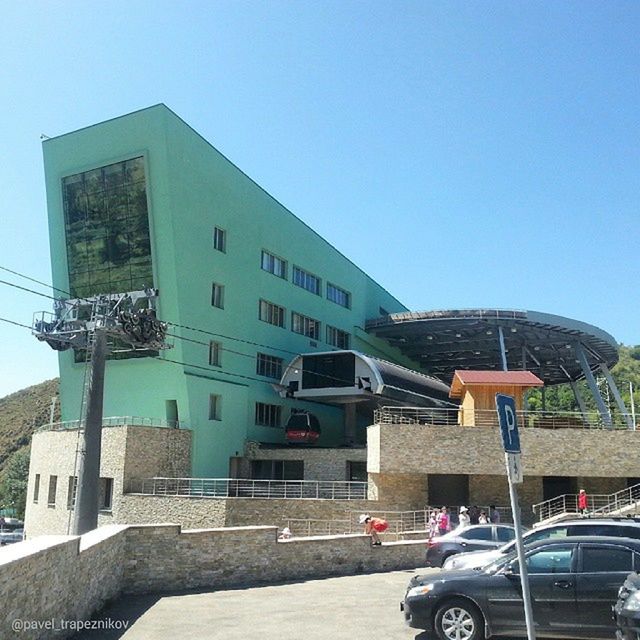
(500,562)
(535,535)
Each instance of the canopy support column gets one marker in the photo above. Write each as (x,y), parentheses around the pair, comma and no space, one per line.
(591,381)
(503,351)
(616,394)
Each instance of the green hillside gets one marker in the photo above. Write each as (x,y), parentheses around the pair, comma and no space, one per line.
(20,414)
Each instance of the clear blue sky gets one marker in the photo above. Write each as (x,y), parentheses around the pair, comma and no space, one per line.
(462,153)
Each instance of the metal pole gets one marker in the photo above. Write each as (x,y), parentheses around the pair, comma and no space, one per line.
(524,578)
(85,515)
(633,405)
(503,351)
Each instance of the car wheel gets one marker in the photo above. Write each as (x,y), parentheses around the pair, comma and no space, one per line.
(459,620)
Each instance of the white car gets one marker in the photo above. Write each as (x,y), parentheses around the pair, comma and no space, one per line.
(620,527)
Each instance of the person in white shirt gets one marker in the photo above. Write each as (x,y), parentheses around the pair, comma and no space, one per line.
(463,517)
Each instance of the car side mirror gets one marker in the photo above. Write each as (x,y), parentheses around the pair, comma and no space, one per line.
(510,570)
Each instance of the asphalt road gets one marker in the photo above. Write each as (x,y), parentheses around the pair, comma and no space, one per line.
(363,607)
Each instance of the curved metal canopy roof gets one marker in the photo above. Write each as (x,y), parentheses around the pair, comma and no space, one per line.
(546,344)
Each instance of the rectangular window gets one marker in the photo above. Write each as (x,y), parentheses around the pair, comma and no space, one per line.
(72,489)
(356,471)
(338,295)
(274,265)
(306,280)
(277,469)
(305,326)
(268,415)
(269,366)
(271,313)
(337,337)
(53,485)
(36,488)
(220,239)
(215,353)
(217,295)
(215,407)
(106,494)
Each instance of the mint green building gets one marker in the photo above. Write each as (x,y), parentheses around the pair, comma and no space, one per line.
(144,201)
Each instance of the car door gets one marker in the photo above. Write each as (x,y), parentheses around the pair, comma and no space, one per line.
(602,568)
(478,538)
(551,571)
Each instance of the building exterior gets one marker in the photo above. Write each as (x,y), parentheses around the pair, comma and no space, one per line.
(267,319)
(143,201)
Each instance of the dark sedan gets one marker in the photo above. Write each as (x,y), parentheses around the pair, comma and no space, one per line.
(477,537)
(574,583)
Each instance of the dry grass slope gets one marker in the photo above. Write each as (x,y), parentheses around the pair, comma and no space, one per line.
(21,413)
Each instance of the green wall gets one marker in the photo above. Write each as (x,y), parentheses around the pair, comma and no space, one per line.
(192,188)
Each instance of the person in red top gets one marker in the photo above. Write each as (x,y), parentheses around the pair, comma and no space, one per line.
(373,526)
(582,502)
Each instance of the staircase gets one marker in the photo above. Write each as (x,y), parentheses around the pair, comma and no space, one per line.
(622,503)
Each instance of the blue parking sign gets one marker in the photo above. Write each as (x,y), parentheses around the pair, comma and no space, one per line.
(506,407)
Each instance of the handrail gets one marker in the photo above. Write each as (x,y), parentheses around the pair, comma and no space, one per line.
(597,504)
(243,488)
(118,421)
(489,418)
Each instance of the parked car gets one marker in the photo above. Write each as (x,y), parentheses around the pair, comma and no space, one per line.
(573,584)
(623,527)
(9,537)
(474,537)
(627,609)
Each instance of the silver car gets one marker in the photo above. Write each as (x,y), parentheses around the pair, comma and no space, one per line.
(622,527)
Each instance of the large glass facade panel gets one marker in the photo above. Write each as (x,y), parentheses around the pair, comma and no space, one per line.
(107,229)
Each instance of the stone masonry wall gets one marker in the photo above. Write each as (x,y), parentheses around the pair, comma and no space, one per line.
(190,513)
(54,578)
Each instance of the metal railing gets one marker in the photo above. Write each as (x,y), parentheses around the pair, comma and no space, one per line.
(234,488)
(489,418)
(598,504)
(118,421)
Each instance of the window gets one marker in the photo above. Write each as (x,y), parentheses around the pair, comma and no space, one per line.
(356,471)
(305,326)
(555,560)
(220,239)
(306,280)
(269,366)
(215,407)
(53,485)
(477,533)
(271,313)
(217,295)
(338,295)
(337,337)
(604,559)
(505,534)
(268,415)
(215,353)
(274,265)
(277,470)
(36,488)
(72,489)
(106,494)
(106,226)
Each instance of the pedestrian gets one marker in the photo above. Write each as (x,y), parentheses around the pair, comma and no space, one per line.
(494,516)
(474,514)
(582,502)
(442,521)
(482,518)
(372,527)
(463,517)
(433,523)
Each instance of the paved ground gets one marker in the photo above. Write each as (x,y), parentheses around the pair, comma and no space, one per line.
(347,608)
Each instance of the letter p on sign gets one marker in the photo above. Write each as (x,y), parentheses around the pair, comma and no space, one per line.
(506,407)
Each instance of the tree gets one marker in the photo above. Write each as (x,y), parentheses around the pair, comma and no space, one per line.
(13,485)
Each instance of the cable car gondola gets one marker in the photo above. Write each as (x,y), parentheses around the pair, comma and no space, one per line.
(302,427)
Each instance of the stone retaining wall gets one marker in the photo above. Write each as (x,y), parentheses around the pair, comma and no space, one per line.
(53,578)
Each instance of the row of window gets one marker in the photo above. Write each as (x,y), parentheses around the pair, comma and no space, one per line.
(294,470)
(278,267)
(304,325)
(301,278)
(266,415)
(105,492)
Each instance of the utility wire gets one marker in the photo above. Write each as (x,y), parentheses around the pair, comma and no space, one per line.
(17,286)
(44,284)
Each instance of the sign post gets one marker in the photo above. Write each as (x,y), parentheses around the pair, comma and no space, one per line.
(506,408)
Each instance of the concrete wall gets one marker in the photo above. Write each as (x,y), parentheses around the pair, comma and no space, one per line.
(71,578)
